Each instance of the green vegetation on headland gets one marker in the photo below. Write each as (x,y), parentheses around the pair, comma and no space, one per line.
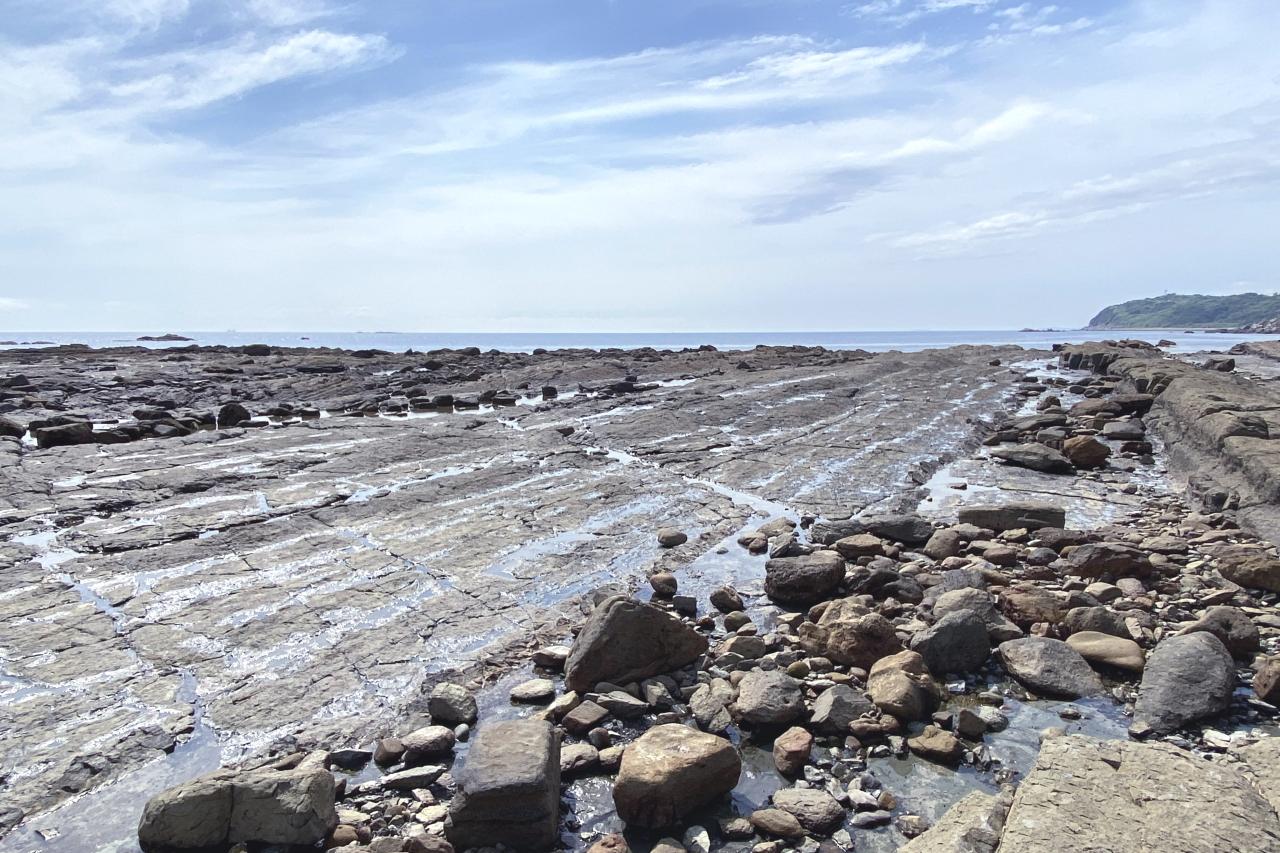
(1175,311)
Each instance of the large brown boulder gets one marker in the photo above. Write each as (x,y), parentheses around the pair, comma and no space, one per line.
(627,640)
(1258,571)
(848,633)
(670,771)
(1085,451)
(900,684)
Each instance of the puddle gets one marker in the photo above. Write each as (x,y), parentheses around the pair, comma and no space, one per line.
(105,820)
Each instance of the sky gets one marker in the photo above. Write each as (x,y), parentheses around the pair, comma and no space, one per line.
(630,165)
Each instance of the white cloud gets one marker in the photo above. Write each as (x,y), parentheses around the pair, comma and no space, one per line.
(288,13)
(196,78)
(8,303)
(141,14)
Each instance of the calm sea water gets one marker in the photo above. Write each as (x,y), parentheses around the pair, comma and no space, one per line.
(905,341)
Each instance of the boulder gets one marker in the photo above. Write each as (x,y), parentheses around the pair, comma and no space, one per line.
(1108,650)
(428,743)
(1049,667)
(1026,605)
(768,698)
(860,545)
(907,529)
(232,414)
(791,751)
(848,633)
(727,600)
(1098,619)
(285,807)
(944,543)
(1096,559)
(1230,625)
(670,537)
(837,707)
(1187,678)
(901,685)
(979,601)
(803,580)
(1258,571)
(509,788)
(670,771)
(817,811)
(627,640)
(935,744)
(1013,516)
(79,432)
(1266,682)
(1085,451)
(776,823)
(1124,430)
(10,428)
(957,642)
(1037,457)
(451,704)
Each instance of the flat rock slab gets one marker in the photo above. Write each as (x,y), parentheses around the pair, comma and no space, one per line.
(309,581)
(1086,795)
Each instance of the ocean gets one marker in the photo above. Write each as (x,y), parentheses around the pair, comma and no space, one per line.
(874,341)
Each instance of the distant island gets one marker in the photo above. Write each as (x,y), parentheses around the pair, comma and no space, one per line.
(168,337)
(1254,312)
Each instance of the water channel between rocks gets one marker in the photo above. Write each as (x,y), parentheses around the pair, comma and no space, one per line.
(104,821)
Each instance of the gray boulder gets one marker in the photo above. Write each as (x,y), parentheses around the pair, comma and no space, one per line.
(1187,678)
(907,529)
(1230,625)
(803,580)
(980,602)
(286,807)
(957,642)
(1037,457)
(837,707)
(628,640)
(1097,559)
(451,704)
(61,435)
(1049,667)
(817,811)
(1102,620)
(768,698)
(509,788)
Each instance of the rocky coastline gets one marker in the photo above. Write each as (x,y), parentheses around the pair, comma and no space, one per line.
(788,599)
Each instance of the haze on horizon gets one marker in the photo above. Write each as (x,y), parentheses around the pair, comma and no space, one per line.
(611,165)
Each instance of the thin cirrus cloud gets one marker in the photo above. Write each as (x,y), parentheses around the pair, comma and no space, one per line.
(870,156)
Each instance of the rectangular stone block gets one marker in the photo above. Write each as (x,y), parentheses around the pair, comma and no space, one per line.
(509,788)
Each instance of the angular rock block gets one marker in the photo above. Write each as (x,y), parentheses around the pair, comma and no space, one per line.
(509,788)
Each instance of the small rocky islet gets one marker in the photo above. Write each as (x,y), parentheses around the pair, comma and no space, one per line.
(909,635)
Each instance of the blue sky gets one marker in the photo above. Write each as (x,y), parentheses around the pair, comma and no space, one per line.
(564,165)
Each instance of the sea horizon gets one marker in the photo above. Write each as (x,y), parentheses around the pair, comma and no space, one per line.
(873,340)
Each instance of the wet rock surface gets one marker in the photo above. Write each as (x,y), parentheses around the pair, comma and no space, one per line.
(351,582)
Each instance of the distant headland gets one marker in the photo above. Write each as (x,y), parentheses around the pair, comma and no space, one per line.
(1243,312)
